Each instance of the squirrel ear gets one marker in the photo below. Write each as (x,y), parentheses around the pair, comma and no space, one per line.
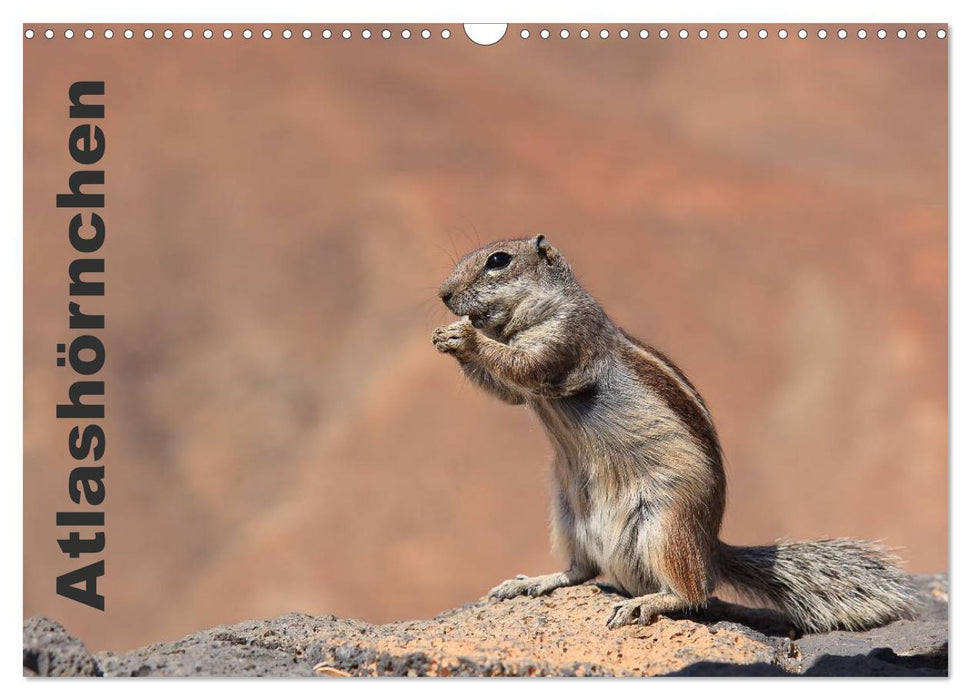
(544,248)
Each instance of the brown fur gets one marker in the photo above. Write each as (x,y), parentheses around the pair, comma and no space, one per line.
(639,487)
(685,556)
(656,370)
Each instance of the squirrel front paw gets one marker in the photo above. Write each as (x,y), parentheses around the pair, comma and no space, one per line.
(456,338)
(522,585)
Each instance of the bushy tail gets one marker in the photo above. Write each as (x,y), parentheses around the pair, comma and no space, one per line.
(824,584)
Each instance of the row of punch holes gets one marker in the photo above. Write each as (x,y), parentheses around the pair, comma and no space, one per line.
(246,34)
(524,34)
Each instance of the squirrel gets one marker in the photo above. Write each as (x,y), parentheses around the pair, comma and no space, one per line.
(638,481)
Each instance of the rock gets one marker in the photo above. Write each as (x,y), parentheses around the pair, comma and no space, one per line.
(50,651)
(559,635)
(253,648)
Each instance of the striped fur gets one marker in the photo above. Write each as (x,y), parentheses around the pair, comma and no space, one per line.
(639,487)
(822,585)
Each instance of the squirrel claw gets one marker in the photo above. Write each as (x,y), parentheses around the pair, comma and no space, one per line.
(630,612)
(455,338)
(524,585)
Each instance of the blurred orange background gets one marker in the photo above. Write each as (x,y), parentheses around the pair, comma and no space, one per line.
(281,433)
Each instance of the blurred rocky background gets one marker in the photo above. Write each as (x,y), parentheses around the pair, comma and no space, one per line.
(281,434)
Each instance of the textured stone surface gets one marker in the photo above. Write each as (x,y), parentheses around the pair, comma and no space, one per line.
(563,635)
(50,651)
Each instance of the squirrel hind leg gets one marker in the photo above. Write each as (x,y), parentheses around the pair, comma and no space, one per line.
(645,609)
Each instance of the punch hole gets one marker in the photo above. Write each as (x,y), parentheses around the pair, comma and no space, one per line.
(941,33)
(783,33)
(88,34)
(68,33)
(821,33)
(604,34)
(763,34)
(861,33)
(129,34)
(168,34)
(29,33)
(187,33)
(148,34)
(366,34)
(267,34)
(902,34)
(207,34)
(286,34)
(405,33)
(663,33)
(841,33)
(545,34)
(49,34)
(702,33)
(584,34)
(109,34)
(803,33)
(425,34)
(643,34)
(624,33)
(683,34)
(247,34)
(564,33)
(227,34)
(722,33)
(307,34)
(346,33)
(386,34)
(921,34)
(743,34)
(446,33)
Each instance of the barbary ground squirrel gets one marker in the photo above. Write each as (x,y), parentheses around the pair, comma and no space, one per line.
(639,488)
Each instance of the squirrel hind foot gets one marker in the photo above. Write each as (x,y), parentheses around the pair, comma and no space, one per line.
(645,609)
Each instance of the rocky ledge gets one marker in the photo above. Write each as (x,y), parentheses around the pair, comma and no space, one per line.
(560,635)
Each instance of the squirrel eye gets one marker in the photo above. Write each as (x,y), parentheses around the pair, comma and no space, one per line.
(497,261)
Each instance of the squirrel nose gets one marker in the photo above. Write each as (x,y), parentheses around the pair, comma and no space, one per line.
(445,296)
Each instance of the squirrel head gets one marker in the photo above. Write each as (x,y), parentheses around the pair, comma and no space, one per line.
(492,283)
